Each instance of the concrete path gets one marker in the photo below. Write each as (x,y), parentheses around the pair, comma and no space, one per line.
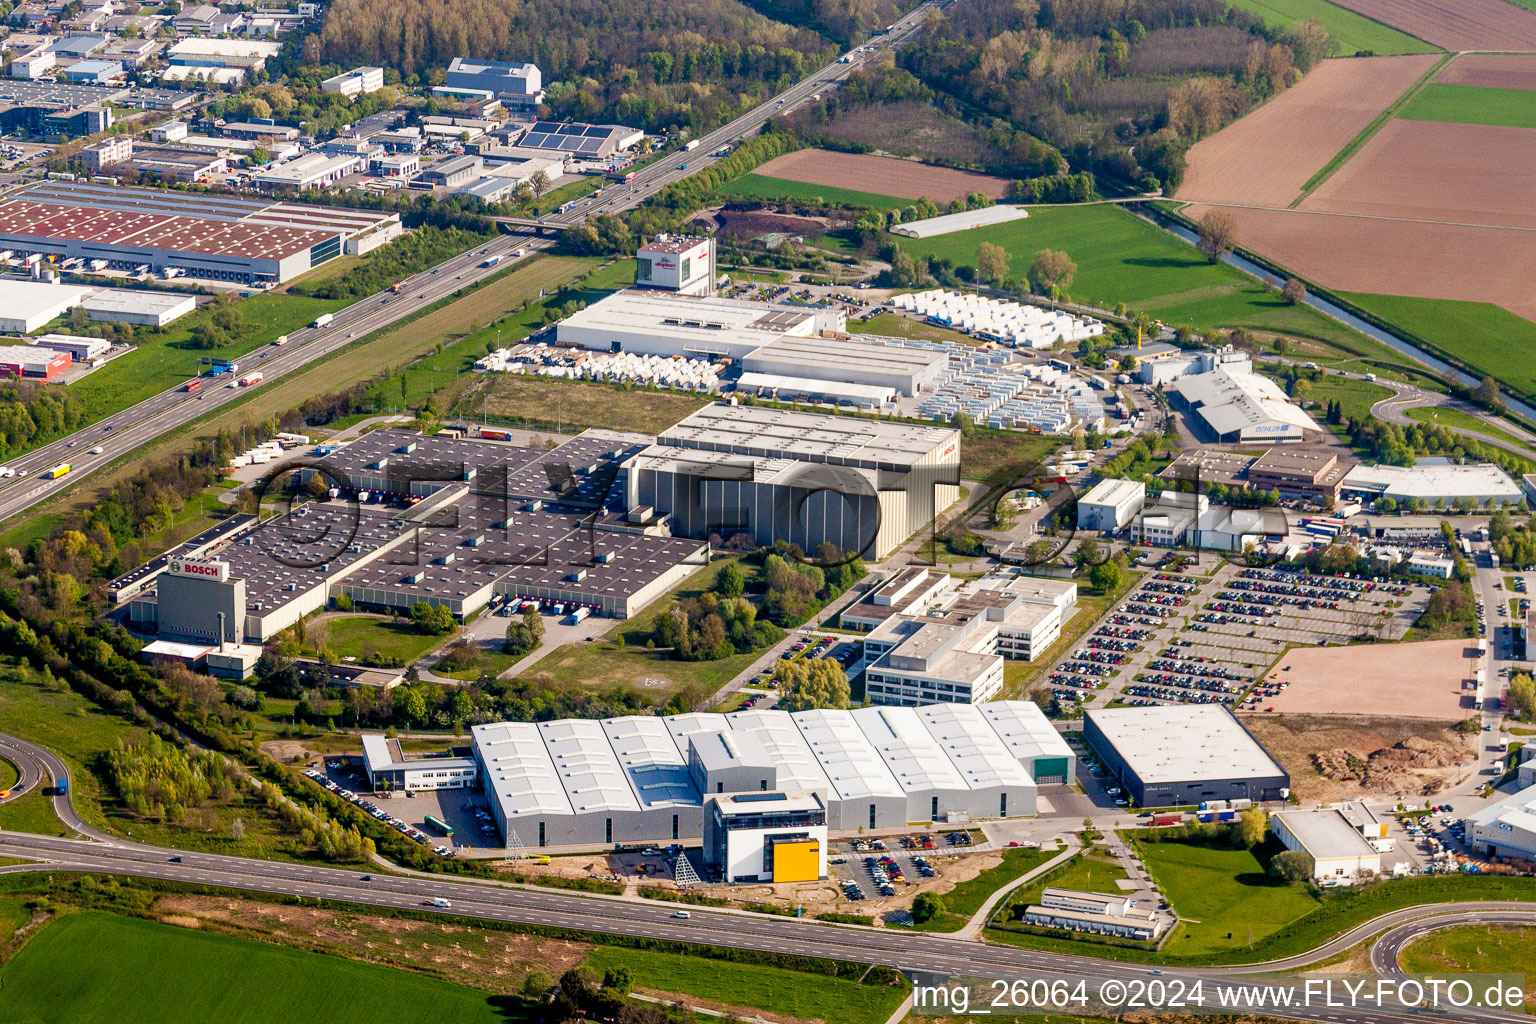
(978,921)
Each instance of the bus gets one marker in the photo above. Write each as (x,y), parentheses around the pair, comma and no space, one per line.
(433,821)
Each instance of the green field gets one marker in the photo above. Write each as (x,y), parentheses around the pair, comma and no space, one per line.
(91,967)
(370,638)
(967,897)
(1484,947)
(759,186)
(1353,32)
(1488,338)
(9,775)
(1226,899)
(1456,419)
(1354,395)
(789,993)
(1122,258)
(1472,104)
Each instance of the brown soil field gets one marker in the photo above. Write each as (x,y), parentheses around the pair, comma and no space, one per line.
(1455,24)
(882,175)
(1265,158)
(1491,70)
(1395,257)
(1437,171)
(1294,739)
(1413,680)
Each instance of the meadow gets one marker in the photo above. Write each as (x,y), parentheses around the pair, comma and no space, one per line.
(758,186)
(1487,337)
(1472,104)
(1353,32)
(1226,899)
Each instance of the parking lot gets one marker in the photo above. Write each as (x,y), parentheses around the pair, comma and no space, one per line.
(1184,637)
(875,869)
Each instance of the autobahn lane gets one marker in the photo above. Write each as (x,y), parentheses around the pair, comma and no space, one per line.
(912,952)
(1386,951)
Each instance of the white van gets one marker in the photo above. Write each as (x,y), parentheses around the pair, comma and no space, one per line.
(683,914)
(438,901)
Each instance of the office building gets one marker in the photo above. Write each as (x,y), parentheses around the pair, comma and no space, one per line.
(677,263)
(357,82)
(108,153)
(1179,755)
(310,171)
(390,769)
(863,486)
(1340,854)
(766,837)
(1299,474)
(1111,505)
(1506,828)
(31,363)
(515,83)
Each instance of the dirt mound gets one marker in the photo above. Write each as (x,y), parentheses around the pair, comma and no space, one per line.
(749,223)
(1404,767)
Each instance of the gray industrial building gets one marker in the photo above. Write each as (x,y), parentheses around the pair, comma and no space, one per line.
(446,521)
(841,359)
(1178,755)
(516,83)
(640,779)
(864,485)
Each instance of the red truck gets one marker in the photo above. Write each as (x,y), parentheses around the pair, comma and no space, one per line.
(1159,820)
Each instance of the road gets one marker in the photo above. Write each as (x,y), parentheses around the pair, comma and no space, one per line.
(911,952)
(128,430)
(1386,951)
(1411,396)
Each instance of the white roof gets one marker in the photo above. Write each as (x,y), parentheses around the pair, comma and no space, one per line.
(965,734)
(853,765)
(589,769)
(26,299)
(1238,399)
(1518,810)
(1184,743)
(657,772)
(1325,833)
(1114,492)
(172,649)
(798,768)
(1434,482)
(873,393)
(125,300)
(212,47)
(519,770)
(1025,730)
(984,217)
(914,757)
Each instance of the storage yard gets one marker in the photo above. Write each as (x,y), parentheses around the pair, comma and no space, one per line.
(1010,323)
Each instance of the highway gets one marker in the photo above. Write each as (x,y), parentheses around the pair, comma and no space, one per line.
(918,953)
(154,417)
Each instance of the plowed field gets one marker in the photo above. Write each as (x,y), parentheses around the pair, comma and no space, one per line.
(1491,70)
(1455,24)
(883,175)
(1265,158)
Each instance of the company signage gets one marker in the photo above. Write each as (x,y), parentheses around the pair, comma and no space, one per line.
(201,568)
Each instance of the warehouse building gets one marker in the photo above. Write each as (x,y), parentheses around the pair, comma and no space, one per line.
(218,237)
(449,522)
(902,370)
(864,486)
(582,141)
(1241,407)
(28,306)
(677,263)
(450,173)
(1437,483)
(80,349)
(515,83)
(145,309)
(643,779)
(780,388)
(1178,755)
(312,170)
(1031,740)
(31,363)
(1340,854)
(663,323)
(1505,829)
(987,216)
(1111,505)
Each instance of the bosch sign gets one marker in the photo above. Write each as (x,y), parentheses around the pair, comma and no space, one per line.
(197,567)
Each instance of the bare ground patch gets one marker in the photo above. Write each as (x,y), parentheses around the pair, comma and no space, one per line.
(882,175)
(1455,24)
(1410,680)
(1310,746)
(1491,71)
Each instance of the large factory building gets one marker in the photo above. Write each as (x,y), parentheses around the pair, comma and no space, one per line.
(863,485)
(221,238)
(638,780)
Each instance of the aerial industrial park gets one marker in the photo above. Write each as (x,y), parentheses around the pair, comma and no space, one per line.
(669,513)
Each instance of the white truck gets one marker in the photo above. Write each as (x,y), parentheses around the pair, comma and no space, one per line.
(323,319)
(692,145)
(491,261)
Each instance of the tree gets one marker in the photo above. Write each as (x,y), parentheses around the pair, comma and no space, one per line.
(806,684)
(730,581)
(1218,234)
(538,183)
(237,830)
(1051,272)
(1292,866)
(1521,696)
(1255,826)
(1294,291)
(991,262)
(926,907)
(1487,395)
(436,620)
(1105,578)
